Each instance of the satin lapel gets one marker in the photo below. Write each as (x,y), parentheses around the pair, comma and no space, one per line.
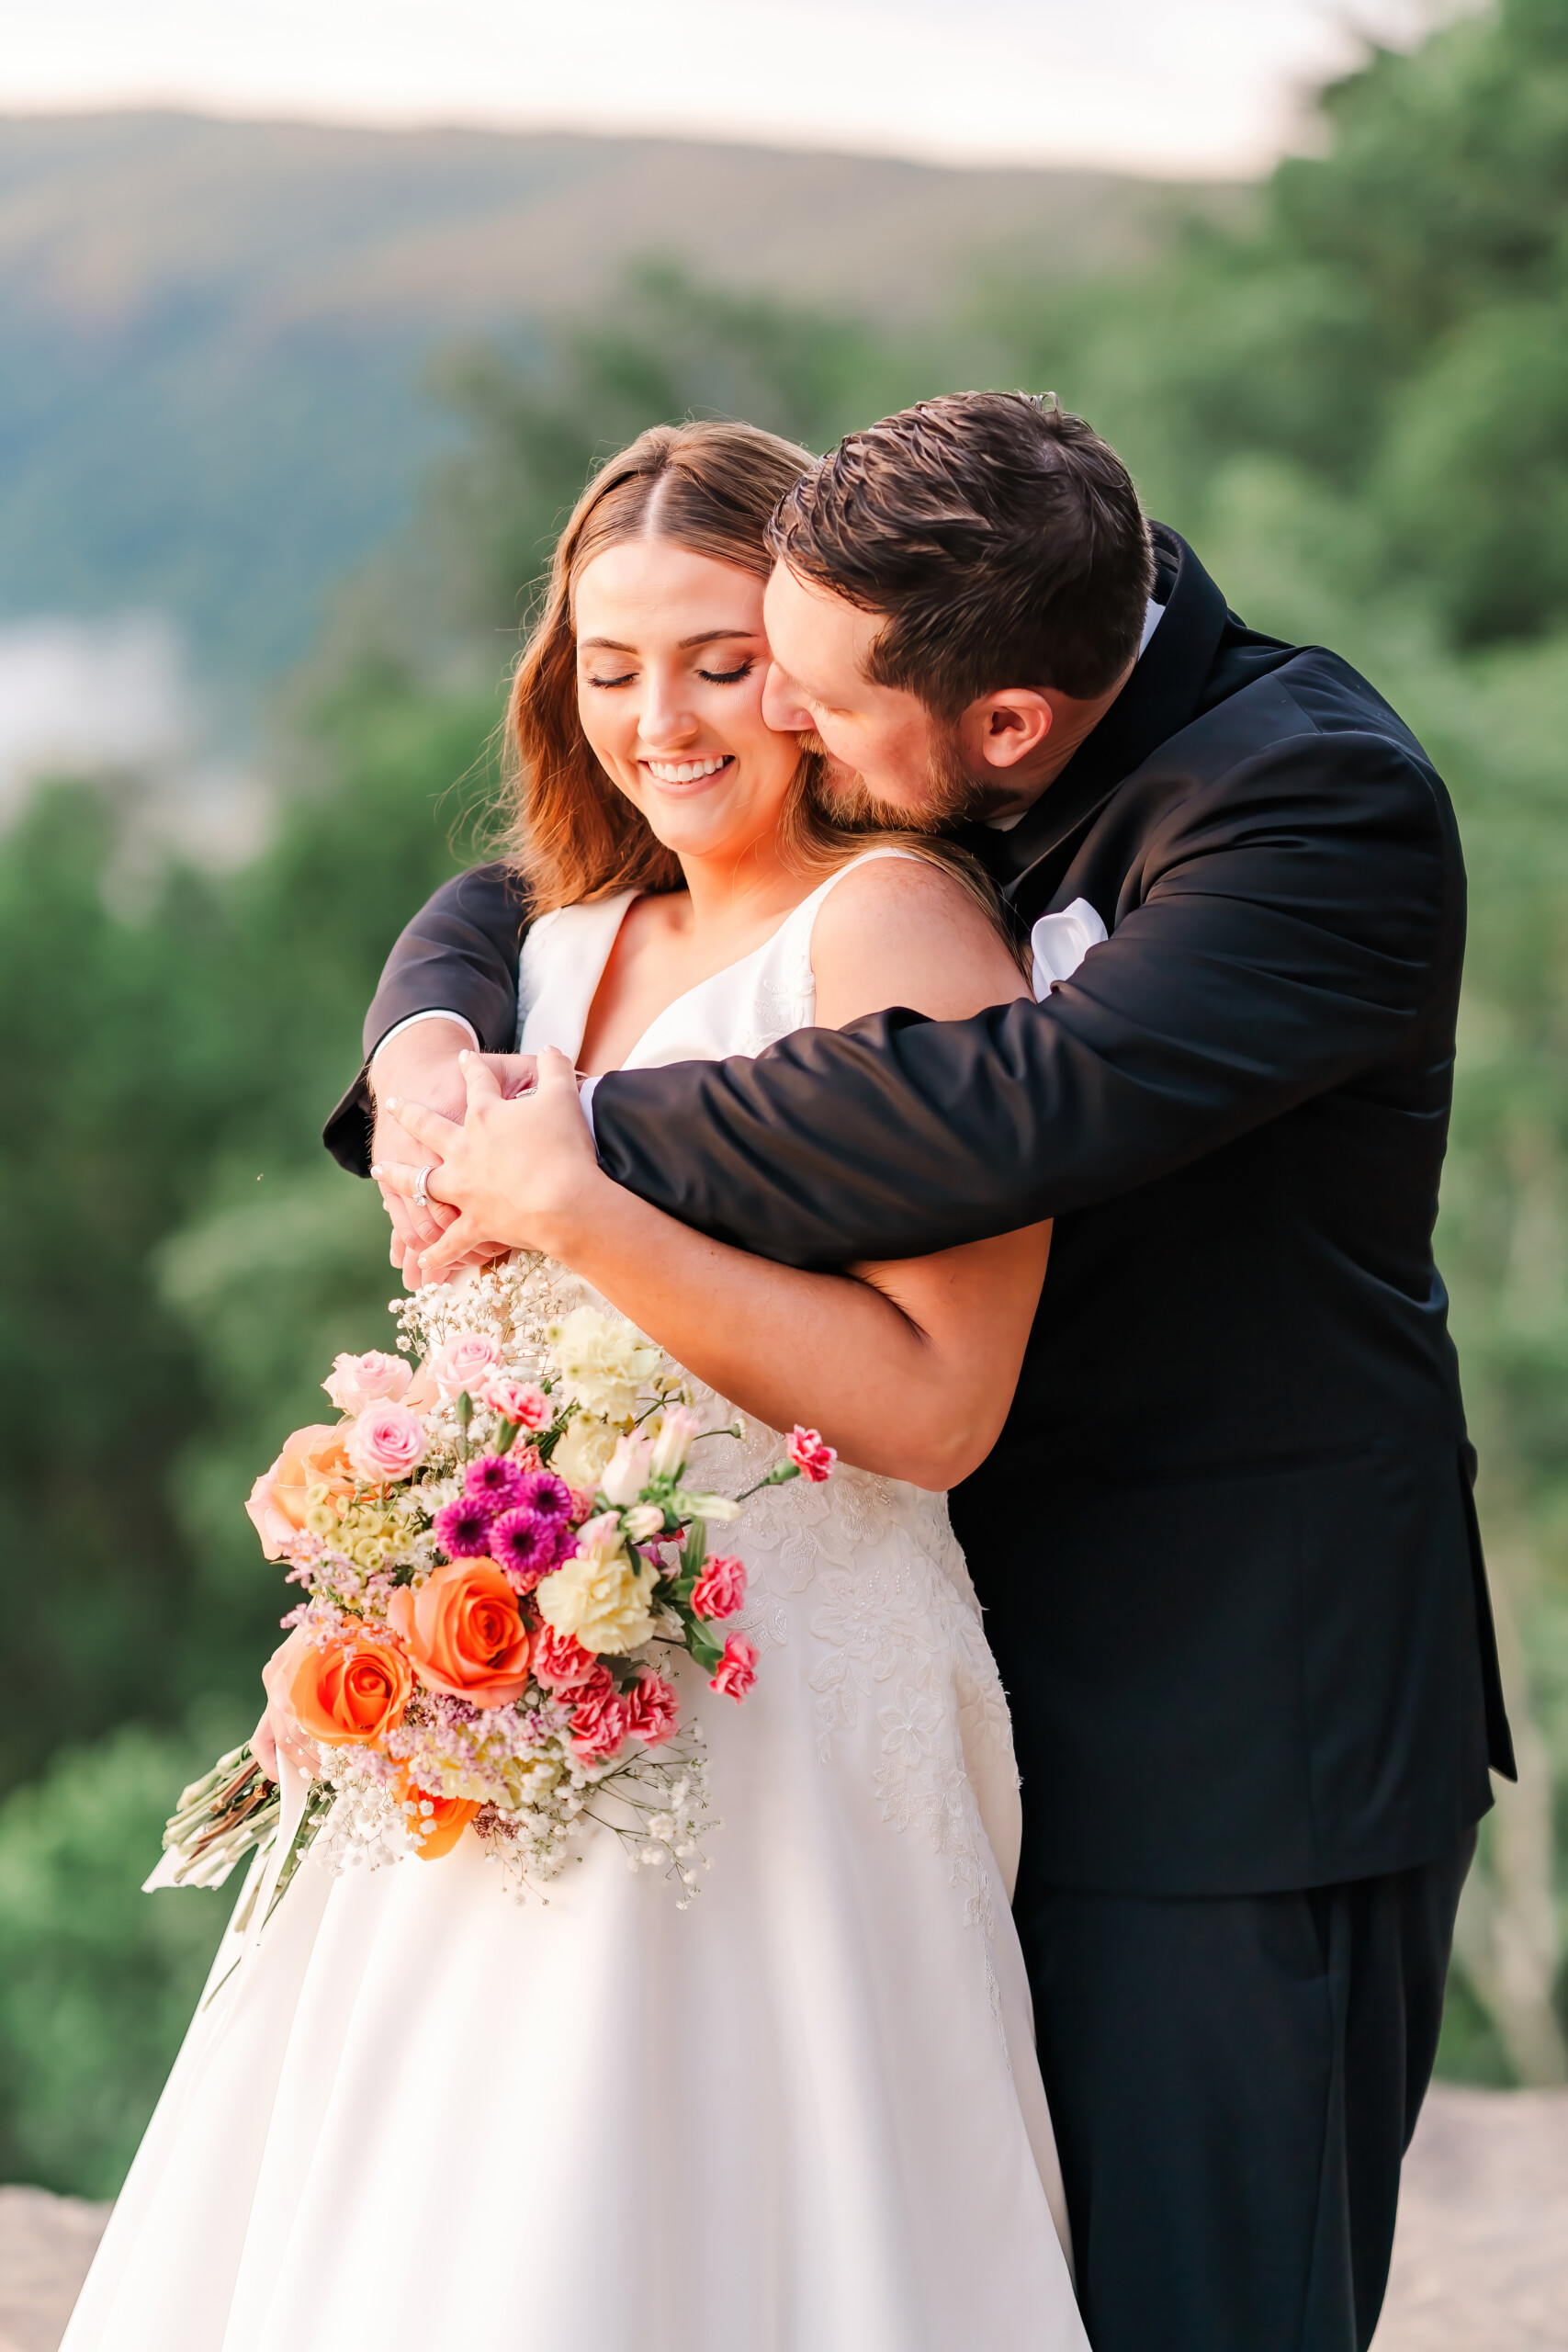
(1159,699)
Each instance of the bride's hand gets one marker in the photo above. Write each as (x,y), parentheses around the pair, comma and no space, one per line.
(520,1172)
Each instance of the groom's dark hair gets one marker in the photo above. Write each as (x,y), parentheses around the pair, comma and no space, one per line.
(1001,536)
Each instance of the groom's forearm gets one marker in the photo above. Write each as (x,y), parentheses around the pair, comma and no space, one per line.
(1255,976)
(459,956)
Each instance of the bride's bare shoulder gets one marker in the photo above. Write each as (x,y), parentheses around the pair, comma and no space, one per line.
(899,931)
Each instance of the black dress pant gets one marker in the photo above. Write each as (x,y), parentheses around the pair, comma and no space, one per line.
(1233,2081)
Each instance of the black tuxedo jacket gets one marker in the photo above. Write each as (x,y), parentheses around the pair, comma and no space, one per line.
(1226,1543)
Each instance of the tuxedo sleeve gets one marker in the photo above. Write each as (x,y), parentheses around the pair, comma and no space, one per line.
(458,955)
(1282,928)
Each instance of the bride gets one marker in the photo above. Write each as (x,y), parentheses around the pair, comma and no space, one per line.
(807,2112)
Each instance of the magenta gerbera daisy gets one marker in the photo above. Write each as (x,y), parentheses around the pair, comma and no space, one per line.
(463,1528)
(494,1480)
(527,1546)
(542,1491)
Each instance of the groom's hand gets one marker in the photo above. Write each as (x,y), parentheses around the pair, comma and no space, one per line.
(421,1064)
(524,1172)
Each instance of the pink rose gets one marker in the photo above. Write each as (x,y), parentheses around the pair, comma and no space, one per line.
(358,1381)
(737,1667)
(652,1711)
(598,1726)
(386,1441)
(526,1407)
(465,1360)
(721,1587)
(560,1662)
(810,1456)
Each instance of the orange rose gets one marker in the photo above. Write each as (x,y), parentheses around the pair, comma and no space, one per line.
(352,1692)
(464,1633)
(440,1828)
(311,1457)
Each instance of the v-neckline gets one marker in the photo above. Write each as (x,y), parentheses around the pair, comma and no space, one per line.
(638,1042)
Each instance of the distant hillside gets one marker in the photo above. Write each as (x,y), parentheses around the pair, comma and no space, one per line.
(213,331)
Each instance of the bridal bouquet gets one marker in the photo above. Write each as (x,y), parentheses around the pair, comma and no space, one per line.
(497,1555)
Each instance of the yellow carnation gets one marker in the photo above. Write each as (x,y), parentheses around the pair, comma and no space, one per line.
(601,1359)
(601,1598)
(581,1453)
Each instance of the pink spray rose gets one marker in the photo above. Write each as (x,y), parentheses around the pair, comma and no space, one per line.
(737,1667)
(810,1456)
(358,1381)
(465,1360)
(516,1401)
(386,1441)
(721,1588)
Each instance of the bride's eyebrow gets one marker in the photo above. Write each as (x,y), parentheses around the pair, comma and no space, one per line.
(702,637)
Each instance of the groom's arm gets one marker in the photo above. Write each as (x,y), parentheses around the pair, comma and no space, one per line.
(459,956)
(1295,924)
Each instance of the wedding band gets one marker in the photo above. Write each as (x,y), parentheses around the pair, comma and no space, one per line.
(421,1178)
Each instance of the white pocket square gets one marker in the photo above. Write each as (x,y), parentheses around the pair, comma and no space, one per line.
(1061,942)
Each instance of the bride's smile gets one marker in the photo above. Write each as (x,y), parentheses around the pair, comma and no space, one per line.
(671,661)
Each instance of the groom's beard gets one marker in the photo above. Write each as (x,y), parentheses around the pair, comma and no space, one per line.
(951,794)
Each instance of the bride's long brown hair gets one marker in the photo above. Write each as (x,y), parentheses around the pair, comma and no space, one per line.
(574,834)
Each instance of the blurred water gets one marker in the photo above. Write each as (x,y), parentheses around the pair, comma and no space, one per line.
(113,703)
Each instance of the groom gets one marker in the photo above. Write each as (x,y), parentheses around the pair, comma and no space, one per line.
(1226,1542)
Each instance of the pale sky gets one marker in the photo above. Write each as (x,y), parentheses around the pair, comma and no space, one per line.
(1176,87)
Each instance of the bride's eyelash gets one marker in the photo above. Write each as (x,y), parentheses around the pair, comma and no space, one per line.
(728,677)
(624,679)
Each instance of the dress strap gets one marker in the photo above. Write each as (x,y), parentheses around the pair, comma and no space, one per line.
(792,943)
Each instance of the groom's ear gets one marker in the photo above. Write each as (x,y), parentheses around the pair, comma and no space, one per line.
(998,730)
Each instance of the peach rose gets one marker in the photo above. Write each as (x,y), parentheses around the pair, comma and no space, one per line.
(282,1734)
(352,1692)
(439,1830)
(464,1633)
(311,1457)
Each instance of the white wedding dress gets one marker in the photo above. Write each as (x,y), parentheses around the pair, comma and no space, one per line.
(802,2116)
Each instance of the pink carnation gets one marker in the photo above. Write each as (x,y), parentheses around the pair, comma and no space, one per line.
(465,1360)
(598,1726)
(358,1381)
(652,1711)
(810,1456)
(737,1668)
(721,1588)
(516,1401)
(560,1662)
(386,1441)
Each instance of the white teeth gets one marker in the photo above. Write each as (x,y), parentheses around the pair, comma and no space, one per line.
(686,771)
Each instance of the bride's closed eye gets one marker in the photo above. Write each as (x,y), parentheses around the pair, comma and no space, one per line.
(728,677)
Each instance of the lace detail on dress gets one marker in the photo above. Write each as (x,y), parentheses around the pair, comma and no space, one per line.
(903,1640)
